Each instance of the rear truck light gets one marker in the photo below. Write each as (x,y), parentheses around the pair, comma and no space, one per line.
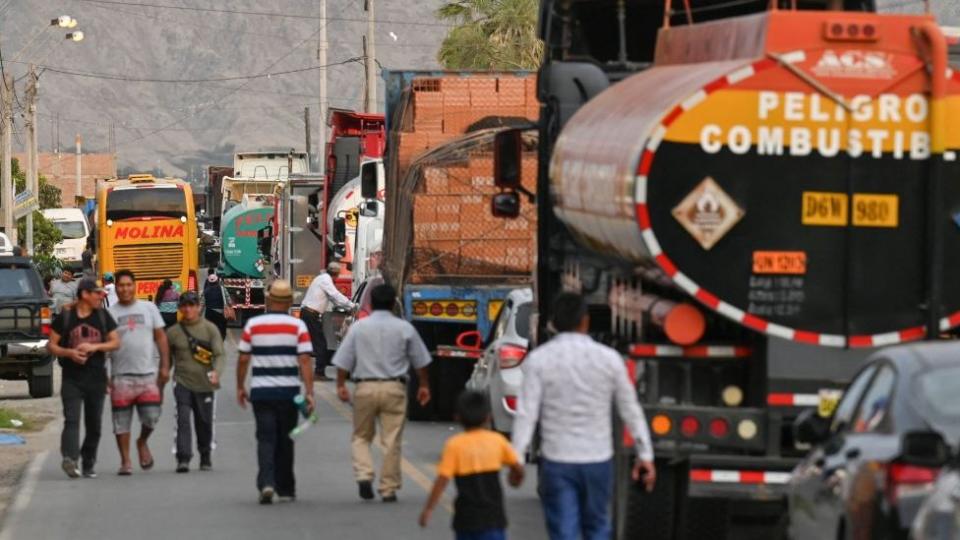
(420,309)
(511,356)
(510,402)
(689,426)
(747,429)
(840,30)
(469,310)
(436,309)
(732,396)
(452,310)
(661,424)
(905,480)
(719,428)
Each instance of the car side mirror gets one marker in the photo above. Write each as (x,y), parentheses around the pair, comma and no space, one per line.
(811,428)
(339,230)
(470,339)
(368,180)
(507,155)
(924,449)
(369,209)
(505,205)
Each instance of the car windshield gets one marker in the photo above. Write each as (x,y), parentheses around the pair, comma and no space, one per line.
(146,202)
(522,320)
(71,230)
(937,389)
(17,283)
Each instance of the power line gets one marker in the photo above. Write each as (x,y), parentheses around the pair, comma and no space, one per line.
(116,77)
(261,13)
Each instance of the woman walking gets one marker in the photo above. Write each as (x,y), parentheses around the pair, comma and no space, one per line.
(167,301)
(216,303)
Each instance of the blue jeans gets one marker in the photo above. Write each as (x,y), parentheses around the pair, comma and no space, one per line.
(576,499)
(489,534)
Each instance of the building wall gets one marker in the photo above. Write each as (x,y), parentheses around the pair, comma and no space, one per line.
(60,171)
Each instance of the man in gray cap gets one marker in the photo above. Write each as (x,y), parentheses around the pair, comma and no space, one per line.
(321,298)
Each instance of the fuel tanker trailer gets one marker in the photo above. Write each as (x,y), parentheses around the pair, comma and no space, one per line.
(750,205)
(245,238)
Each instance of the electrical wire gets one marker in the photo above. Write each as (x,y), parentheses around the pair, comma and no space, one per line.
(261,13)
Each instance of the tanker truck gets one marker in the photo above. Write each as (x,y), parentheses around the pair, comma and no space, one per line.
(245,248)
(750,201)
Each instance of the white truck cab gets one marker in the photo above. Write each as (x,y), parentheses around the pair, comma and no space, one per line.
(368,247)
(75,230)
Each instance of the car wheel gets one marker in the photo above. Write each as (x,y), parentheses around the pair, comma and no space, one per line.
(40,386)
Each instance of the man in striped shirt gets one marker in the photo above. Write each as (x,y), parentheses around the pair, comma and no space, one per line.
(278,347)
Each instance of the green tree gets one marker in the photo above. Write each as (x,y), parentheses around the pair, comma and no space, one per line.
(45,234)
(491,34)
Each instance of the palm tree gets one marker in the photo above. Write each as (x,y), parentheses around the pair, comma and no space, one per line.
(491,34)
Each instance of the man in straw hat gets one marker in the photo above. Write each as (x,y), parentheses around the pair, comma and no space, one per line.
(278,347)
(320,298)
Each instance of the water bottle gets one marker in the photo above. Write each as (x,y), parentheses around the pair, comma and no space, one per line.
(301,402)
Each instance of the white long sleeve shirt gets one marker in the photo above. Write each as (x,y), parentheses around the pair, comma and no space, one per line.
(570,385)
(321,292)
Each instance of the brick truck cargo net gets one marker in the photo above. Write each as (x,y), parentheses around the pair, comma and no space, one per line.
(784,186)
(440,181)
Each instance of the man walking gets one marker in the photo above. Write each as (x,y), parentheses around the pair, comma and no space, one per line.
(320,298)
(198,363)
(569,385)
(378,352)
(79,337)
(63,290)
(110,290)
(277,347)
(137,378)
(216,304)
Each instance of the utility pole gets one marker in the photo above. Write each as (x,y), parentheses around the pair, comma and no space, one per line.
(306,129)
(322,58)
(370,61)
(6,170)
(33,184)
(79,183)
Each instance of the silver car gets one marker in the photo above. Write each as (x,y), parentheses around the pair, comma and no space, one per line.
(498,372)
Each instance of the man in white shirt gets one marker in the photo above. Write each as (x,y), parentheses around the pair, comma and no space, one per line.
(63,291)
(321,297)
(569,385)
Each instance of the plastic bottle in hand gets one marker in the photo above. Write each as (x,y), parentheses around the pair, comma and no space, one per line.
(311,417)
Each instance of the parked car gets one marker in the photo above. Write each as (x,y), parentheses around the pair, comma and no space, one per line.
(939,517)
(856,482)
(25,326)
(6,246)
(497,371)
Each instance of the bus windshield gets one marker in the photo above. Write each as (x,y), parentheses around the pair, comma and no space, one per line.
(71,230)
(146,202)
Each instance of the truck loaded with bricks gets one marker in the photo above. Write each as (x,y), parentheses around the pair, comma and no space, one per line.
(751,199)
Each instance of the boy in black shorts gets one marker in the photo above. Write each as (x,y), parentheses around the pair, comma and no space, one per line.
(474,459)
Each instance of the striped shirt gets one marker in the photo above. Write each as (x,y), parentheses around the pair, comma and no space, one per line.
(274,341)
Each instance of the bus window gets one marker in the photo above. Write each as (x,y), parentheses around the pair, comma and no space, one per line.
(131,203)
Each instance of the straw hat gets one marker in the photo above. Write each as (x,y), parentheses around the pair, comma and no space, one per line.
(280,291)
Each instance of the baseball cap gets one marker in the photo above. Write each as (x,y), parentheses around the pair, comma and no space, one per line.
(108,276)
(189,297)
(89,285)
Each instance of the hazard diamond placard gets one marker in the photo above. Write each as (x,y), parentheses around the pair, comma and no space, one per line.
(708,213)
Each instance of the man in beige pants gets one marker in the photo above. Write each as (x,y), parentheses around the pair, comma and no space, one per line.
(377,353)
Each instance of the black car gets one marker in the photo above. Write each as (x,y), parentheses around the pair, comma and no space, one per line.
(856,482)
(25,319)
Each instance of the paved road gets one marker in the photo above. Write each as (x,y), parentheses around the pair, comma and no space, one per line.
(222,504)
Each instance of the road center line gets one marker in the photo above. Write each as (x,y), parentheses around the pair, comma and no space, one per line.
(419,477)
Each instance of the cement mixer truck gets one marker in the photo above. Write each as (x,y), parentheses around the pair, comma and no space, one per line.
(750,201)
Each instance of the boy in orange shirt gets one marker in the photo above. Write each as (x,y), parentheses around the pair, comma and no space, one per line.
(474,459)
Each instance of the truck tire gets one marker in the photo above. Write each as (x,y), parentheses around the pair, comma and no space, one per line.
(653,516)
(40,386)
(415,412)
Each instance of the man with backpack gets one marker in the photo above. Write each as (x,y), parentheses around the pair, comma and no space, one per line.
(198,363)
(80,337)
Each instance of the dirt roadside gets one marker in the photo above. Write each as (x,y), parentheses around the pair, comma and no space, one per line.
(44,415)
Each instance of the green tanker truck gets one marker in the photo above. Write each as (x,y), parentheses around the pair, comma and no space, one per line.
(246,230)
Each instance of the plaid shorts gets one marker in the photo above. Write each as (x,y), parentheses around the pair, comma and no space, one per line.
(140,391)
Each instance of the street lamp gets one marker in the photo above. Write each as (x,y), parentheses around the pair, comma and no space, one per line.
(64,21)
(75,36)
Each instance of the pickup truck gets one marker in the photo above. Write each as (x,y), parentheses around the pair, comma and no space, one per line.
(25,318)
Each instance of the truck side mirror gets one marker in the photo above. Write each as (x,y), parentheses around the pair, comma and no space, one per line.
(505,205)
(339,230)
(924,449)
(369,209)
(507,152)
(368,180)
(340,250)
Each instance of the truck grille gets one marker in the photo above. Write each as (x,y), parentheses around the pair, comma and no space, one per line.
(17,322)
(156,261)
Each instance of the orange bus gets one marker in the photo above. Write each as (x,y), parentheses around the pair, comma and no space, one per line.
(148,225)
